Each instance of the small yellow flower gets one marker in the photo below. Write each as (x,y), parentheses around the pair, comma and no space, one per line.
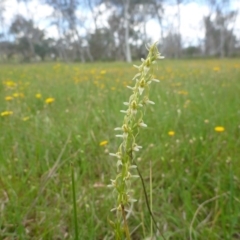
(25,118)
(103,72)
(219,129)
(216,69)
(182,92)
(49,100)
(6,113)
(38,95)
(9,98)
(171,133)
(10,84)
(16,95)
(103,143)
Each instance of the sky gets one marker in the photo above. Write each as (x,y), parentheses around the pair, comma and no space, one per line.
(192,28)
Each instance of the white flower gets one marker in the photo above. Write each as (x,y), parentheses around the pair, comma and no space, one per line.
(118,155)
(119,163)
(134,176)
(124,111)
(113,183)
(119,208)
(138,67)
(137,75)
(147,101)
(141,89)
(133,167)
(124,135)
(120,136)
(132,88)
(133,108)
(132,200)
(150,102)
(146,69)
(142,124)
(142,85)
(153,80)
(133,111)
(136,147)
(127,176)
(124,128)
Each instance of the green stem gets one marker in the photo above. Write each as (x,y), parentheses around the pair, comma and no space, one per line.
(125,223)
(151,198)
(74,205)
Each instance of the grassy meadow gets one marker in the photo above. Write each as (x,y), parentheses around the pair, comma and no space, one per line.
(58,117)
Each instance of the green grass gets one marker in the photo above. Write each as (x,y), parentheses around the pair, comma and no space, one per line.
(195,172)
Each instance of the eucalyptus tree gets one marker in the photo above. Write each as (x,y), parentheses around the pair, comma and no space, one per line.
(2,9)
(158,7)
(68,19)
(26,36)
(3,44)
(219,24)
(19,20)
(128,25)
(121,9)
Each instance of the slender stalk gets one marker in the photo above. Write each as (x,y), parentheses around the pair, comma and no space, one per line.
(132,122)
(150,175)
(74,205)
(125,223)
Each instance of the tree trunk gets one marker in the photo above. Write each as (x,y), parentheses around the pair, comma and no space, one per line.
(222,41)
(30,42)
(126,37)
(179,34)
(156,7)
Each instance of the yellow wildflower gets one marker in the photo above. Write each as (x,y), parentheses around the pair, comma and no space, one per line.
(171,133)
(103,143)
(10,84)
(16,95)
(8,98)
(216,69)
(182,92)
(6,113)
(49,100)
(219,129)
(38,95)
(103,72)
(25,118)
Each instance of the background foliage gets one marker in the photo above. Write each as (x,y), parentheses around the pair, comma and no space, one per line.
(100,30)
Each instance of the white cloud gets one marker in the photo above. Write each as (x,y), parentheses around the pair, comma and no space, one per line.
(33,10)
(191,17)
(191,22)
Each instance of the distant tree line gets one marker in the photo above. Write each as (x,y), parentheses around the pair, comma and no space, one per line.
(82,36)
